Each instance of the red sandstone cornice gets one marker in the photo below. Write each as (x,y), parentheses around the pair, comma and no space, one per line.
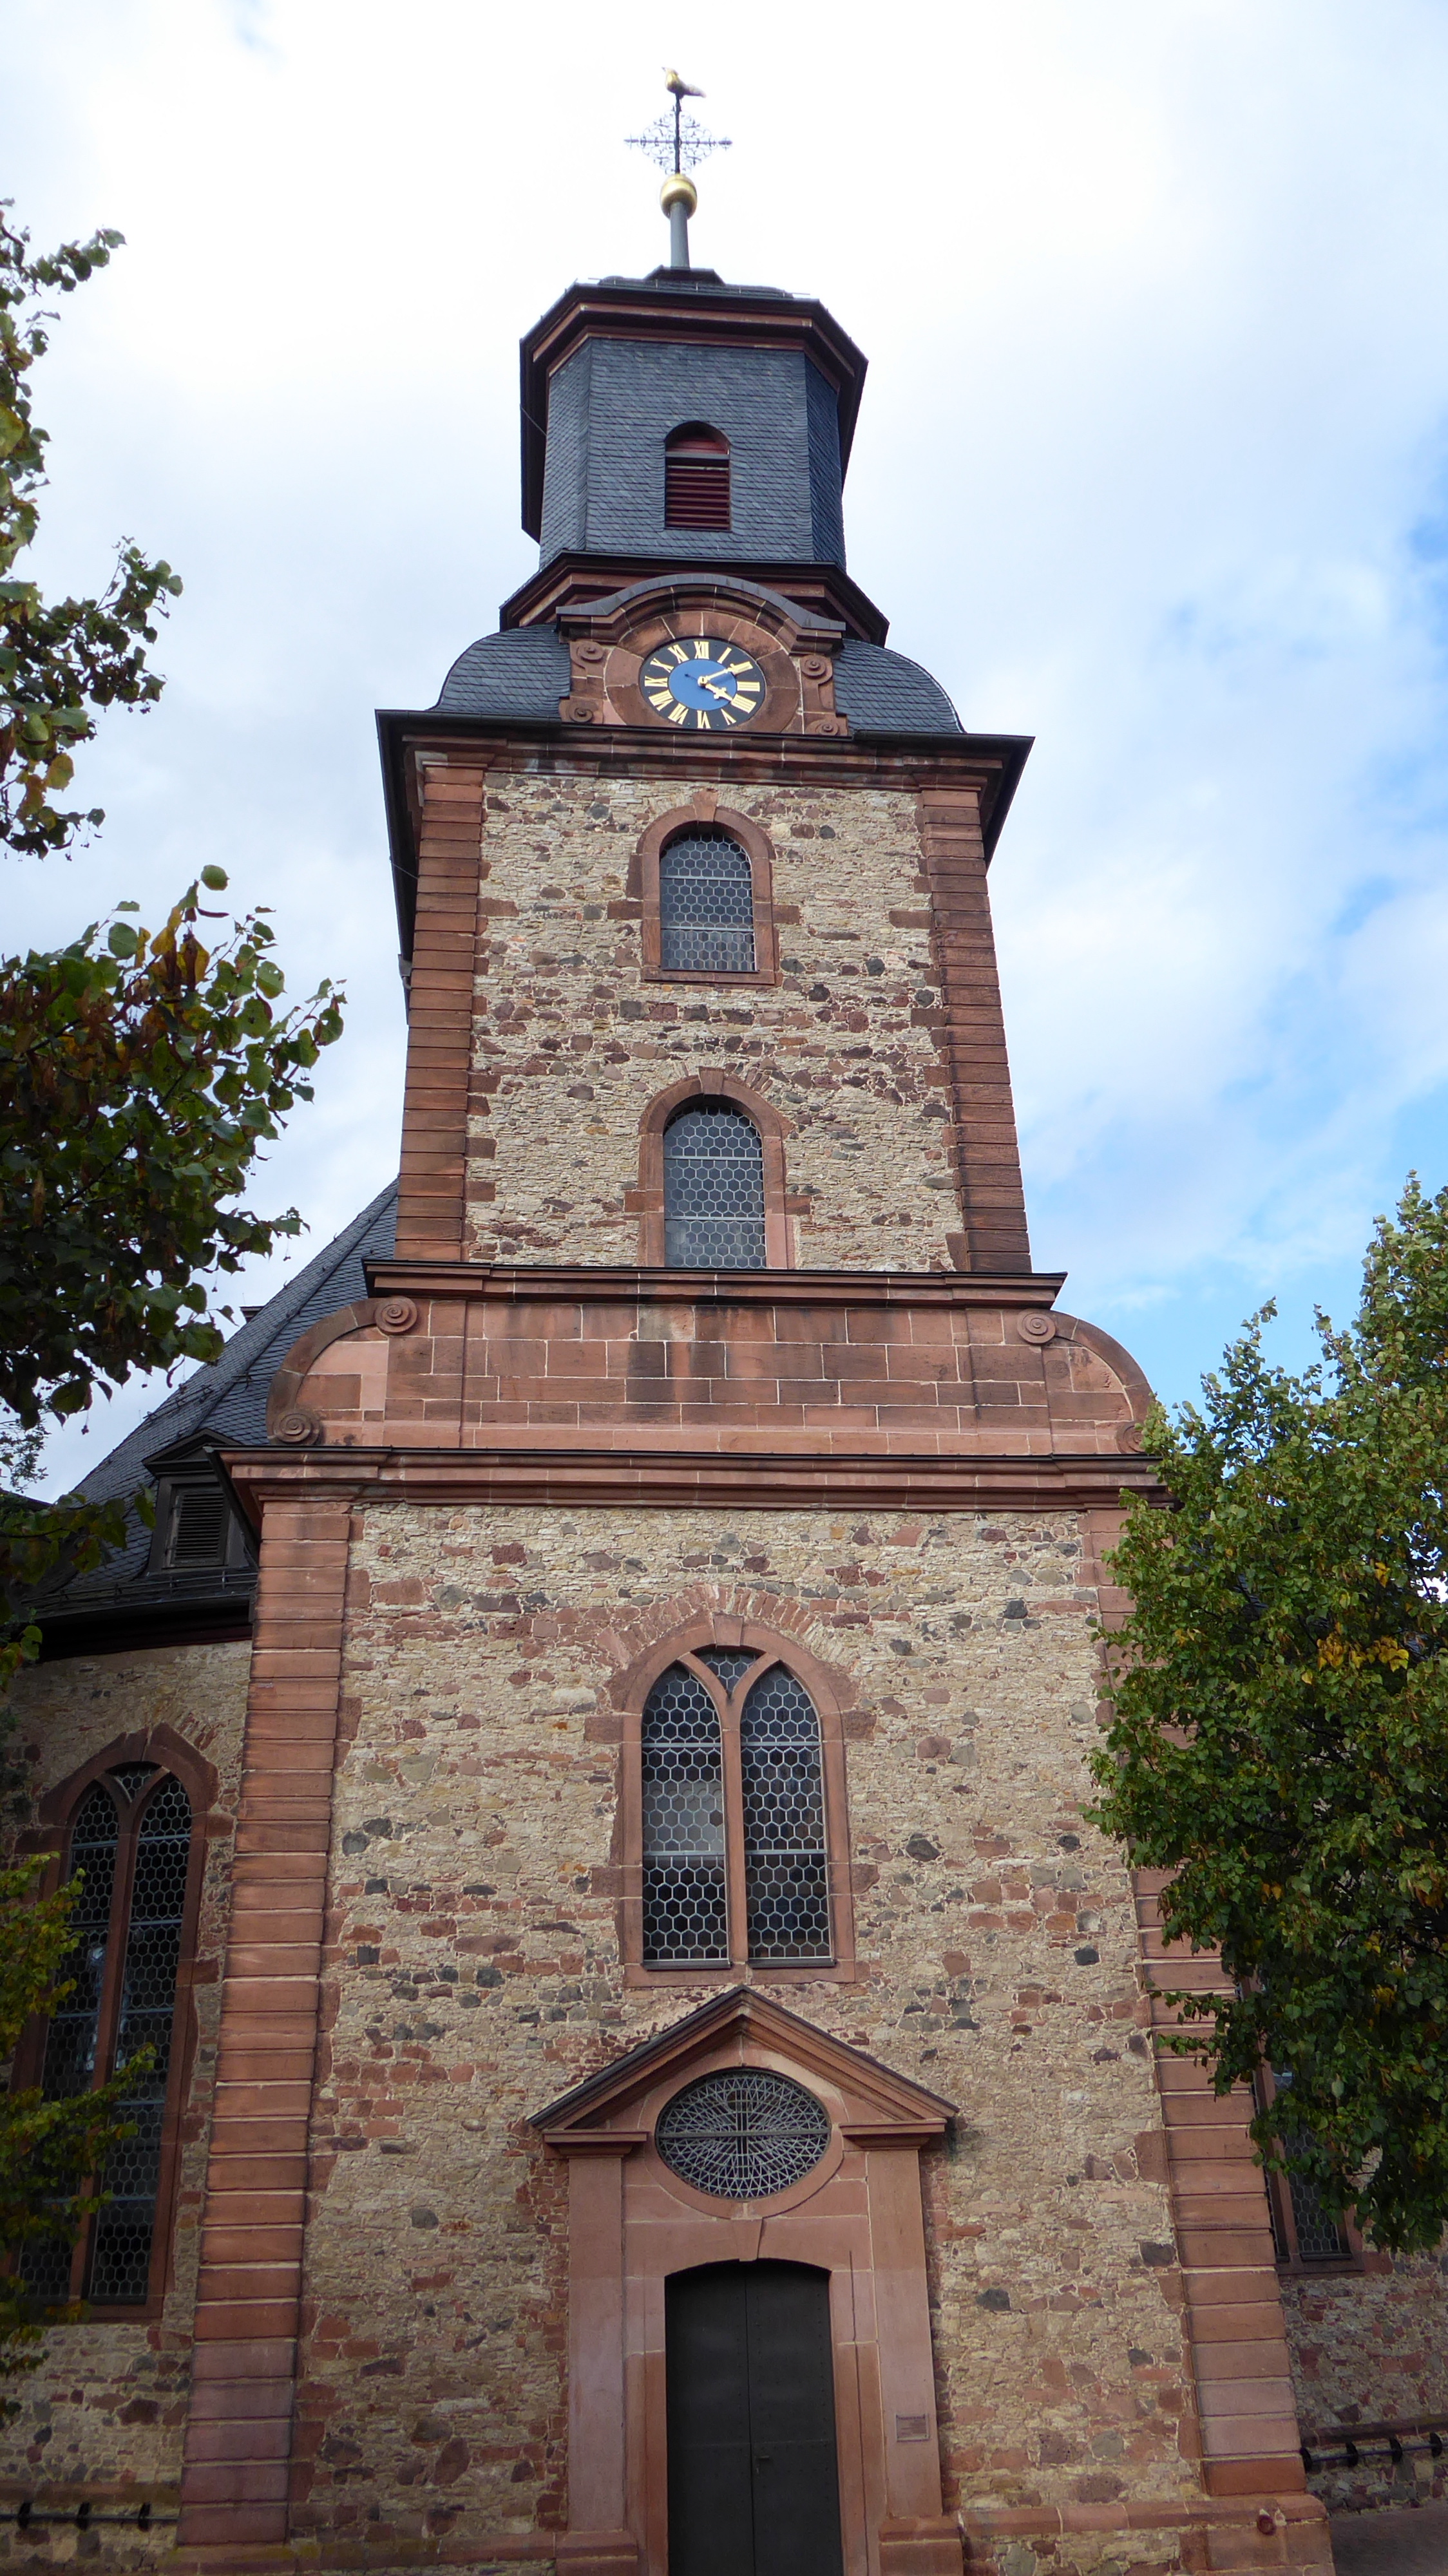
(572,581)
(683,1479)
(595,1282)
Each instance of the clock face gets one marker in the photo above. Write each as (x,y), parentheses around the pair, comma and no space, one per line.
(702,686)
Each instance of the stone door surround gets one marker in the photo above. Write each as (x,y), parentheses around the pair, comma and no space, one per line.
(857,2215)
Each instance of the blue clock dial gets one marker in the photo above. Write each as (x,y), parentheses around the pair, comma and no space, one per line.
(701,685)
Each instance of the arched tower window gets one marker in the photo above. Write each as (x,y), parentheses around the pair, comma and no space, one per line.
(131,1839)
(696,477)
(706,904)
(735,1854)
(713,1189)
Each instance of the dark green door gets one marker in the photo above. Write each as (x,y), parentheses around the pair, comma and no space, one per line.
(753,2482)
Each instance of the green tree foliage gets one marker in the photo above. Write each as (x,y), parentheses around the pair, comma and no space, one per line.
(46,2146)
(140,1072)
(1279,1730)
(59,663)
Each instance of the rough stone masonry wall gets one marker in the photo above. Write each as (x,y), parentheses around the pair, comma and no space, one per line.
(475,1976)
(1372,2349)
(108,2405)
(571,1043)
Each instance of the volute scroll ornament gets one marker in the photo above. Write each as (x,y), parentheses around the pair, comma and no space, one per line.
(299,1427)
(396,1315)
(1036,1327)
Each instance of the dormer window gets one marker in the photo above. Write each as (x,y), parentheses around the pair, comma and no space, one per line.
(196,1527)
(696,477)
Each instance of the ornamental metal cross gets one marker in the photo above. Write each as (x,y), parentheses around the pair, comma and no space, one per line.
(678,141)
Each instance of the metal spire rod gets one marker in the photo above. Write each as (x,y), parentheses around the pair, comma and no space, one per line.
(673,141)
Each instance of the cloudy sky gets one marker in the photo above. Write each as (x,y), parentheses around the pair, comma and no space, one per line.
(1153,464)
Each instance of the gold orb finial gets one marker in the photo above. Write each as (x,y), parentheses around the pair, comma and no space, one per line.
(678,190)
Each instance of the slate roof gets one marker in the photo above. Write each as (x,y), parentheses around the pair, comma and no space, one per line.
(227,1396)
(524,671)
(885,692)
(222,1403)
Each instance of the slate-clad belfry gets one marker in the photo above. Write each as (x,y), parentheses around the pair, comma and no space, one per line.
(662,2077)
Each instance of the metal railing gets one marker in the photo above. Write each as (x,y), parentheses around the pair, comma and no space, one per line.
(1348,2447)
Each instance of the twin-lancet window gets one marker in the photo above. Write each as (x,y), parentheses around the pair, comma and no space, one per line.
(735,1860)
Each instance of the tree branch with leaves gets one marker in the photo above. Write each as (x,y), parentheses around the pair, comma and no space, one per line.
(60,663)
(141,1072)
(1279,1731)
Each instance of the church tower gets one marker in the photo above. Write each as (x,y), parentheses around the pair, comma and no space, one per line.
(686,2100)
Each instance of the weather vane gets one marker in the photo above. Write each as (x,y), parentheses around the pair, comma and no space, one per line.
(671,142)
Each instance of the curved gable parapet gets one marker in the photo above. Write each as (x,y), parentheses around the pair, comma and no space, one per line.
(297,1403)
(1099,1367)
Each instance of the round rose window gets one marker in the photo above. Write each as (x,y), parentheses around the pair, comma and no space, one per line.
(744,2135)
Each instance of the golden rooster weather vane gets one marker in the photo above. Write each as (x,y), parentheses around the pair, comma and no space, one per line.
(673,141)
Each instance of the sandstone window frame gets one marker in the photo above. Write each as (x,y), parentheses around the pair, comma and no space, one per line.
(712,1083)
(59,1811)
(630,1692)
(705,814)
(1291,2260)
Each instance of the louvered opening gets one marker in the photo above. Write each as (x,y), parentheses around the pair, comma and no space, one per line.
(199,1519)
(696,478)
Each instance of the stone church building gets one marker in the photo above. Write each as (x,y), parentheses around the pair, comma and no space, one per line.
(584,1784)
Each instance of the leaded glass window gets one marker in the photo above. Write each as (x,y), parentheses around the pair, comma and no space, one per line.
(784,1822)
(131,1846)
(1316,2233)
(713,1189)
(686,1913)
(743,2135)
(706,905)
(1320,2238)
(735,1845)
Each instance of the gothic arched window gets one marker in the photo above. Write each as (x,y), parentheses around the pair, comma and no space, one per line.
(734,1845)
(706,904)
(696,477)
(713,1189)
(131,1843)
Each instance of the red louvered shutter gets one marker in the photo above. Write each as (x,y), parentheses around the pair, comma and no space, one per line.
(696,478)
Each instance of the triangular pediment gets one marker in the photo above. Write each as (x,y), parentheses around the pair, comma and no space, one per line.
(746,2027)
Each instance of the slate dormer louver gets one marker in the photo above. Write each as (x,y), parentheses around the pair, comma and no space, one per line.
(696,477)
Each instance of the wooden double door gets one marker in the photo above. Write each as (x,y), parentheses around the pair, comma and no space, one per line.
(753,2475)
